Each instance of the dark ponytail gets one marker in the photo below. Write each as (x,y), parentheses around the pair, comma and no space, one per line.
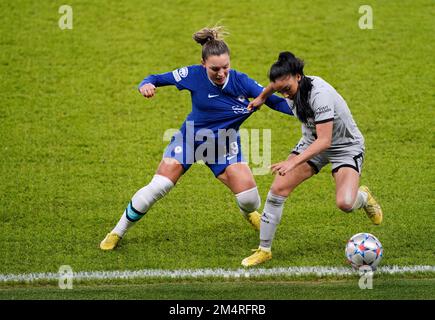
(287,65)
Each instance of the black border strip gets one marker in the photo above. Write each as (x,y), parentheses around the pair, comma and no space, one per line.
(324,121)
(343,166)
(316,170)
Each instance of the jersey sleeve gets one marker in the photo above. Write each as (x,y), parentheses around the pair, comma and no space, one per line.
(323,108)
(253,89)
(178,78)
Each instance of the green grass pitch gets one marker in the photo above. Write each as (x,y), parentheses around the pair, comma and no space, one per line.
(77,140)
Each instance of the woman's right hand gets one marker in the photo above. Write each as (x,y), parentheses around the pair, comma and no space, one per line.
(148,90)
(256,103)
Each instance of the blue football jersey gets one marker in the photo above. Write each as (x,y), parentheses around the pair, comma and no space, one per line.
(216,107)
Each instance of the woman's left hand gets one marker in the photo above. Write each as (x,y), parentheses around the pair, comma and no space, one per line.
(283,167)
(256,104)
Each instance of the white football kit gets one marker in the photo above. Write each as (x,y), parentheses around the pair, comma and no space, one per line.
(347,145)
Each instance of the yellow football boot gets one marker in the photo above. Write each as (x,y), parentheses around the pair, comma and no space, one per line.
(372,208)
(110,241)
(258,257)
(254,219)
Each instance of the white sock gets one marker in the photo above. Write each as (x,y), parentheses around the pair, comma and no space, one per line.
(270,219)
(360,201)
(122,226)
(142,201)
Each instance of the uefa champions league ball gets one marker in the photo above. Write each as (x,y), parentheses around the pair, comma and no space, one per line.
(364,250)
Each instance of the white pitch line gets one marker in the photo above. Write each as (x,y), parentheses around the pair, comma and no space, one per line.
(211,273)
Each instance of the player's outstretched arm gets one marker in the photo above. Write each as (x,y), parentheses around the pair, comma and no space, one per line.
(261,99)
(178,78)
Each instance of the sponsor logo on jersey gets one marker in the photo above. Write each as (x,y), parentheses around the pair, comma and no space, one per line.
(240,110)
(323,110)
(212,95)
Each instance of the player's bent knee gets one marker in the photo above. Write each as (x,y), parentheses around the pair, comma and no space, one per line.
(344,205)
(171,169)
(281,190)
(154,191)
(249,200)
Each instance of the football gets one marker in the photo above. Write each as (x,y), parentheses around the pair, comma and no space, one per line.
(364,249)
